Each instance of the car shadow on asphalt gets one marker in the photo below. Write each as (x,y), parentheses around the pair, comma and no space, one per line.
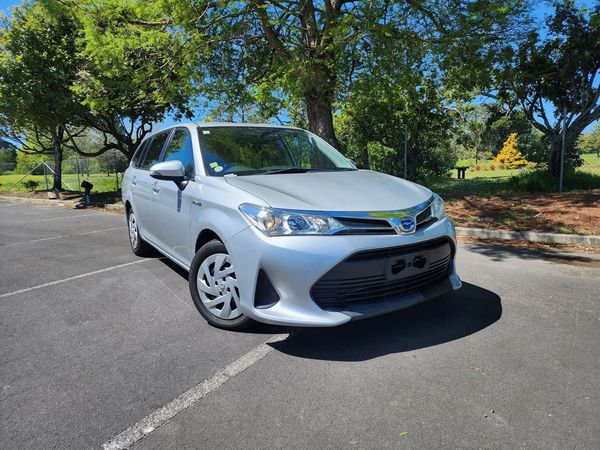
(444,319)
(499,252)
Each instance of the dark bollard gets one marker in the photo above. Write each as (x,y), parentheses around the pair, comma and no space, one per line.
(87,186)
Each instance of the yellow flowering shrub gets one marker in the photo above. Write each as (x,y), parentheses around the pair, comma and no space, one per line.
(510,156)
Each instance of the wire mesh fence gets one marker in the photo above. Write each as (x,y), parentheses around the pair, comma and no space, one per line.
(105,172)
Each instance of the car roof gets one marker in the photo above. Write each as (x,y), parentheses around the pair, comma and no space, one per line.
(236,124)
(218,124)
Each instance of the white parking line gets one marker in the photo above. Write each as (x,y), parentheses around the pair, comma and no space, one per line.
(165,413)
(52,283)
(70,216)
(61,236)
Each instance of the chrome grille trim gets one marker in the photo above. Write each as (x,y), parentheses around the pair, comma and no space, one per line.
(377,222)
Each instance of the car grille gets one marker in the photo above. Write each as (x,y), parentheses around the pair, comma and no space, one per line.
(384,273)
(355,225)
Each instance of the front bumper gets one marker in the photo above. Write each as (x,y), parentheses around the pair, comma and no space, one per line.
(294,264)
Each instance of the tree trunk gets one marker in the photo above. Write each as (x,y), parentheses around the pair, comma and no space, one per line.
(319,93)
(554,157)
(319,110)
(57,151)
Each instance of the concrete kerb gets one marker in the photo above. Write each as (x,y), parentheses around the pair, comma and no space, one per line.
(481,233)
(531,236)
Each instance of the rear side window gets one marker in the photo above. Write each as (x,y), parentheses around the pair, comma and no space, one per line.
(135,161)
(180,148)
(154,149)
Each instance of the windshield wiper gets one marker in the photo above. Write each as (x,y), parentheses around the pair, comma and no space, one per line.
(288,170)
(306,169)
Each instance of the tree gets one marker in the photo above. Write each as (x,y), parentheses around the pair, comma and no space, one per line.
(470,131)
(313,50)
(501,122)
(135,71)
(510,156)
(554,77)
(38,63)
(373,118)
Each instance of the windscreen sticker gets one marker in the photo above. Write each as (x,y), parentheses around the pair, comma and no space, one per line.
(205,132)
(213,165)
(218,169)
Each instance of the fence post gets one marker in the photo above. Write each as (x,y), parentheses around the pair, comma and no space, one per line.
(405,152)
(45,175)
(562,150)
(78,179)
(116,172)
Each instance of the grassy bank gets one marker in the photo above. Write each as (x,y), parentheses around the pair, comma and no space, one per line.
(101,182)
(533,181)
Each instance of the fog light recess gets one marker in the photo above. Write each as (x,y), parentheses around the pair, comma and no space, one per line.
(265,294)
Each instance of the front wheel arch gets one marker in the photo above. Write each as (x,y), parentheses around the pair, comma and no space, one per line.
(212,247)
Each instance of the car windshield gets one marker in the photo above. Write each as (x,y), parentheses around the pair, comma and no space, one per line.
(265,150)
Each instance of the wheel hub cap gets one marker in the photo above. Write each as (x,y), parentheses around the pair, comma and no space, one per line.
(217,286)
(133,232)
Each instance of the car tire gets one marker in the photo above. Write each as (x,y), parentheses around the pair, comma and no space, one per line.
(213,286)
(138,245)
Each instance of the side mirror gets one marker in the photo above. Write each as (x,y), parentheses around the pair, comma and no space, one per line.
(171,171)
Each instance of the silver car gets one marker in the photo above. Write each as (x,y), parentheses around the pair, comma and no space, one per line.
(275,225)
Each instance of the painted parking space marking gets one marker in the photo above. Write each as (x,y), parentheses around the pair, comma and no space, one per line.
(70,216)
(62,236)
(76,277)
(162,415)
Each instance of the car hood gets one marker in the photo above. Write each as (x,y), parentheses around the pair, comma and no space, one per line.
(360,190)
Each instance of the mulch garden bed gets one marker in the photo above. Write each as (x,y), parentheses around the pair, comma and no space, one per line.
(569,212)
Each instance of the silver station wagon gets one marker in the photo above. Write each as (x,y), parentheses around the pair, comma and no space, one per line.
(275,225)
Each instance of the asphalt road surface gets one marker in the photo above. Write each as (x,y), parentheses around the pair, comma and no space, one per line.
(95,340)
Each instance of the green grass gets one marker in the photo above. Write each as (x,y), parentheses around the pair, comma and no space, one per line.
(591,163)
(499,173)
(590,159)
(531,181)
(507,181)
(101,182)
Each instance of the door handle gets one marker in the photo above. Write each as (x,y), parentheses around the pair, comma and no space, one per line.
(133,182)
(155,188)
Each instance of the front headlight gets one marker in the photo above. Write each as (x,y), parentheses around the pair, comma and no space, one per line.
(438,210)
(280,222)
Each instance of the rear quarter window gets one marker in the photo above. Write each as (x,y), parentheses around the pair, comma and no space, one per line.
(152,155)
(137,156)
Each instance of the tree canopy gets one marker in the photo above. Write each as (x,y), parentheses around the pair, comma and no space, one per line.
(356,73)
(554,77)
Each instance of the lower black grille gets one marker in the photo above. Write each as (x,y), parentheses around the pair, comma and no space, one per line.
(384,273)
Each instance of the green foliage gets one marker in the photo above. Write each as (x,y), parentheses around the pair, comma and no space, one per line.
(557,70)
(383,159)
(590,142)
(313,52)
(136,69)
(539,181)
(27,162)
(532,181)
(38,65)
(372,120)
(8,156)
